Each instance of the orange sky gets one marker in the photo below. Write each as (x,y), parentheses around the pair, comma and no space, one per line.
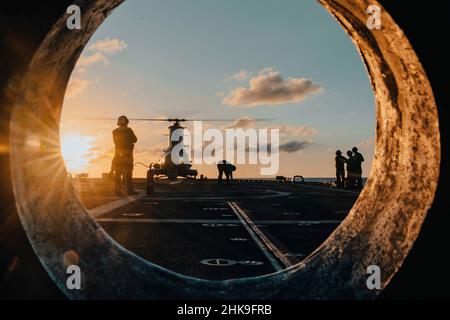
(300,70)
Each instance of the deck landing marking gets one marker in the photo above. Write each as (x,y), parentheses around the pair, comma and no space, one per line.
(327,189)
(218,262)
(273,195)
(227,263)
(132,214)
(206,222)
(239,239)
(110,206)
(250,263)
(291,214)
(218,222)
(218,225)
(267,247)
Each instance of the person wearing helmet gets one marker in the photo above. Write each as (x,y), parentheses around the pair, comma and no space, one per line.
(359,159)
(124,140)
(340,168)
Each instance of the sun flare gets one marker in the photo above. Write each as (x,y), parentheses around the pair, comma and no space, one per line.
(76,151)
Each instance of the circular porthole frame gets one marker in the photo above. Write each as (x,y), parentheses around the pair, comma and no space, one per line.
(379,230)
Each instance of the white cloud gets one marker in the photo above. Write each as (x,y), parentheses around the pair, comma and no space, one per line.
(239,76)
(76,86)
(269,88)
(102,49)
(287,130)
(365,143)
(301,131)
(88,60)
(242,123)
(109,46)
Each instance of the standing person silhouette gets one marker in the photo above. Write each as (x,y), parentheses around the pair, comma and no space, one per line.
(340,168)
(359,159)
(124,140)
(350,182)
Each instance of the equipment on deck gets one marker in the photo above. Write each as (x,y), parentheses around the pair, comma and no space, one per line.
(166,166)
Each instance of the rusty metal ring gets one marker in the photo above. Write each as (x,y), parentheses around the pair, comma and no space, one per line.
(380,229)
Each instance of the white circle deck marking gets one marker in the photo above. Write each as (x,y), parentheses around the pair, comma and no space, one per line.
(218,225)
(239,239)
(305,224)
(132,214)
(250,263)
(217,262)
(291,214)
(213,225)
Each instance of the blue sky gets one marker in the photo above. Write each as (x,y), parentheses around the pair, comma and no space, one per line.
(177,55)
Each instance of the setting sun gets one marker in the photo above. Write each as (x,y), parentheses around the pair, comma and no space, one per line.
(76,151)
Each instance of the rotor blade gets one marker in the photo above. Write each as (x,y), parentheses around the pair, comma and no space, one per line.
(227,120)
(178,120)
(150,119)
(131,119)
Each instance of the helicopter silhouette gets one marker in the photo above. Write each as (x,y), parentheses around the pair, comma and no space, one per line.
(166,167)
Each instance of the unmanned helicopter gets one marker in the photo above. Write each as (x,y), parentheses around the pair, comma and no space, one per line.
(167,167)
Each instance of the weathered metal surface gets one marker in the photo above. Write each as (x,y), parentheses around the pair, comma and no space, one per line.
(380,229)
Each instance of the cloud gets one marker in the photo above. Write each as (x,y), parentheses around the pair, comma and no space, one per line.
(242,123)
(287,147)
(365,143)
(239,76)
(287,130)
(99,154)
(302,131)
(86,61)
(153,151)
(269,88)
(102,49)
(76,86)
(108,46)
(295,146)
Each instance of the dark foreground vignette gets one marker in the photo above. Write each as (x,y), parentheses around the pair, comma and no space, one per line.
(423,274)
